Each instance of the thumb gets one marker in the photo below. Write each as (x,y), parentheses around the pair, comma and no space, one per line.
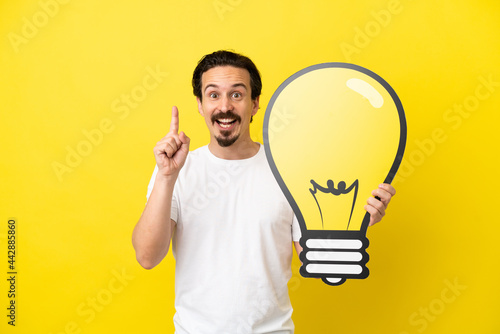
(185,140)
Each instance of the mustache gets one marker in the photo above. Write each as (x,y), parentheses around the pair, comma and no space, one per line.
(228,114)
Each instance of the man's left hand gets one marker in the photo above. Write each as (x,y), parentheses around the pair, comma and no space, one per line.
(375,207)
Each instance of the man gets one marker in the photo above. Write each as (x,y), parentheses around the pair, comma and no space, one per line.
(231,227)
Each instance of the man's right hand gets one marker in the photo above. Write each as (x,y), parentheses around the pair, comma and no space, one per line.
(172,150)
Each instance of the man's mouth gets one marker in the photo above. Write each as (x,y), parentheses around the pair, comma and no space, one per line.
(226,120)
(225,123)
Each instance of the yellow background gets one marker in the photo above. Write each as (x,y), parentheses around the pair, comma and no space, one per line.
(68,75)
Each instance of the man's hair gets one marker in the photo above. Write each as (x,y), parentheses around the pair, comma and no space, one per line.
(226,58)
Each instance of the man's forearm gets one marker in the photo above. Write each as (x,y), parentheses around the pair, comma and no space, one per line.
(153,232)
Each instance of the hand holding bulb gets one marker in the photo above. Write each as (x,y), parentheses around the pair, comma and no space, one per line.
(377,205)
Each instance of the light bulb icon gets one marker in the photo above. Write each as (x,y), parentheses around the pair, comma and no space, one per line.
(344,134)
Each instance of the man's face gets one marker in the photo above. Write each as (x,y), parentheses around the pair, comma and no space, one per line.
(227,105)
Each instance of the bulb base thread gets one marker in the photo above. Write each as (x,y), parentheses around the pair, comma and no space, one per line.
(335,256)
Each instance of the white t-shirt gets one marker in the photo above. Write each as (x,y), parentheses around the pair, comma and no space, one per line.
(232,246)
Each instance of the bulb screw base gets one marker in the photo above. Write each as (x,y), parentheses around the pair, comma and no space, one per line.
(335,256)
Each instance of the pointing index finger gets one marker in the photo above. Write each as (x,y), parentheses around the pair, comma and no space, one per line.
(174,122)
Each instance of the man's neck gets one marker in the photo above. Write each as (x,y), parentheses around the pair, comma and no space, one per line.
(241,149)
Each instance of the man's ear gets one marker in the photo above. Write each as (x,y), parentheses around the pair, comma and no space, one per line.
(255,106)
(200,107)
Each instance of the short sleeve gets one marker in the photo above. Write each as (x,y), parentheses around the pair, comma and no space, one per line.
(296,233)
(173,209)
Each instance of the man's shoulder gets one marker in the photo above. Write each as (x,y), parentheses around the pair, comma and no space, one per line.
(199,150)
(202,158)
(195,159)
(198,153)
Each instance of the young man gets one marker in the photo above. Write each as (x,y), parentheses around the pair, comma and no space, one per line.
(231,227)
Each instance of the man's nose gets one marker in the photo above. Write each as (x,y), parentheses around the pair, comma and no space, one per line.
(225,104)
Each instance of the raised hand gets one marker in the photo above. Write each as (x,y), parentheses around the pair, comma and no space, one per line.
(172,150)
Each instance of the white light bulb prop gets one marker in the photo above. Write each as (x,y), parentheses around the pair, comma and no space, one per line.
(332,133)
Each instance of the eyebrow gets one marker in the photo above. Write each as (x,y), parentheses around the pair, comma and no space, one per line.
(239,84)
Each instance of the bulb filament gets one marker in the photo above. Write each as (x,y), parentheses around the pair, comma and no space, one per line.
(340,190)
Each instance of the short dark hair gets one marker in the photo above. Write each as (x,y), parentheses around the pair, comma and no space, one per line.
(227,58)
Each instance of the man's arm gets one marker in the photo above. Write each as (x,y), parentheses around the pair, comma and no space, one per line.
(153,232)
(298,248)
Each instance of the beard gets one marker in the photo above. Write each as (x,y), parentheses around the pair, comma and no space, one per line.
(225,139)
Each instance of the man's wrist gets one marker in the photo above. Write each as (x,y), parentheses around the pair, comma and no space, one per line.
(166,181)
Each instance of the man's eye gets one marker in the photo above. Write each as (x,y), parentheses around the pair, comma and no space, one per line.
(213,95)
(236,95)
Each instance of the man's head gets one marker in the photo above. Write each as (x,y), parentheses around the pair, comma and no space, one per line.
(226,58)
(227,86)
